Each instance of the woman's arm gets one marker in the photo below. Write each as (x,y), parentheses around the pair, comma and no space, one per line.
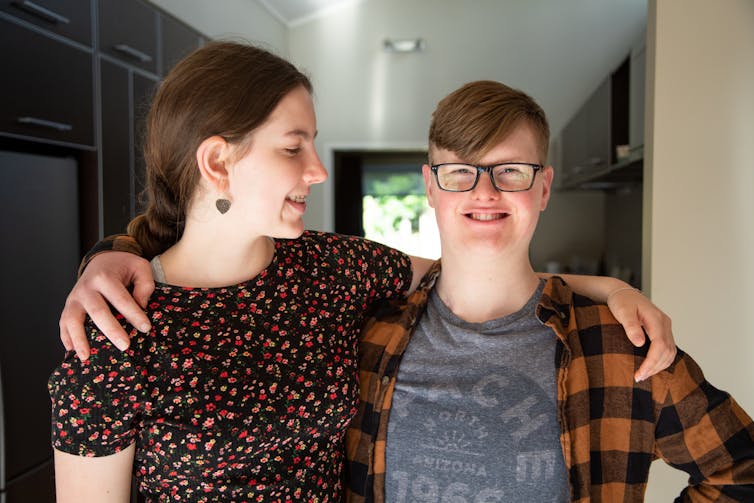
(636,313)
(81,479)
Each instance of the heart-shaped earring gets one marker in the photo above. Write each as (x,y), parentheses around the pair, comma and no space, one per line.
(223,205)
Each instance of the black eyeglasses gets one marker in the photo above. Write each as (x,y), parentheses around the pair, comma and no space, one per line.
(506,177)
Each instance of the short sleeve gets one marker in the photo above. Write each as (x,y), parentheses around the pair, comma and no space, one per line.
(384,272)
(95,403)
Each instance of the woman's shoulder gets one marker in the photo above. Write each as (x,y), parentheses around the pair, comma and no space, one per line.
(332,242)
(340,253)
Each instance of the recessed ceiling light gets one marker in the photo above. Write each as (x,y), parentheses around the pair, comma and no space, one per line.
(403,44)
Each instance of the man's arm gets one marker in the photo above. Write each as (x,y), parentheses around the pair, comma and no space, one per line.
(106,273)
(107,479)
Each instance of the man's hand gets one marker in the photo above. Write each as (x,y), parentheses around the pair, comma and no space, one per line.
(104,280)
(637,314)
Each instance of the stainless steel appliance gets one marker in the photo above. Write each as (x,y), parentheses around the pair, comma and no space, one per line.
(39,253)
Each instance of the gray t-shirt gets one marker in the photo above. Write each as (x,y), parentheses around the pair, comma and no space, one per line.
(474,415)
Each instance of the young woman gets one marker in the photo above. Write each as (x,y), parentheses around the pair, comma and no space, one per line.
(242,386)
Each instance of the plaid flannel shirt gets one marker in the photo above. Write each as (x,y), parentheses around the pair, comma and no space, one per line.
(611,427)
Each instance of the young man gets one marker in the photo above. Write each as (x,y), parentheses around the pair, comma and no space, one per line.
(489,384)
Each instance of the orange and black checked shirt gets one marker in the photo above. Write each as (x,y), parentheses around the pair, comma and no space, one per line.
(611,427)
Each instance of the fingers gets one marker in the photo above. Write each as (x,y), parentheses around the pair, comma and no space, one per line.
(143,286)
(72,329)
(65,337)
(122,301)
(640,318)
(660,356)
(103,317)
(71,325)
(634,331)
(662,351)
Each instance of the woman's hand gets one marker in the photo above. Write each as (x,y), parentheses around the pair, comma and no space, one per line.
(638,314)
(635,312)
(106,280)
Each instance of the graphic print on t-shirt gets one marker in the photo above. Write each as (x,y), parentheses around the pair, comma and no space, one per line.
(474,412)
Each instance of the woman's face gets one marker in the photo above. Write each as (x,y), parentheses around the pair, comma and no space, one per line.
(270,183)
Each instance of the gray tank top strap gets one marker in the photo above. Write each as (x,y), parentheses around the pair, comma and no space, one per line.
(157,271)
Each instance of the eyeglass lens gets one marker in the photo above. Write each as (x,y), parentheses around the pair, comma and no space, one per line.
(506,177)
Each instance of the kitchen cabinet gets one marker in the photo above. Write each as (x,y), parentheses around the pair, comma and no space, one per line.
(128,32)
(72,105)
(47,88)
(585,139)
(612,117)
(68,18)
(116,140)
(125,100)
(637,93)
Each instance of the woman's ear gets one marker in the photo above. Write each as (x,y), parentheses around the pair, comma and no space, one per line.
(212,157)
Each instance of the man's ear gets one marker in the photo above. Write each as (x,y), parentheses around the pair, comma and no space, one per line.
(428,186)
(547,175)
(212,157)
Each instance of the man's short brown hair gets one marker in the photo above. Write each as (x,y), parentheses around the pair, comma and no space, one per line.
(479,115)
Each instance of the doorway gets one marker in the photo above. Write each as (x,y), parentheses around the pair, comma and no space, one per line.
(379,195)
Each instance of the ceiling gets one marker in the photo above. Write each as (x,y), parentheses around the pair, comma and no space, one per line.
(294,12)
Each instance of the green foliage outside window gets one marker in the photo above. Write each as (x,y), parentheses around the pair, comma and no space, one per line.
(392,199)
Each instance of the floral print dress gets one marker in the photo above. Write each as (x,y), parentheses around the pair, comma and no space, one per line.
(241,393)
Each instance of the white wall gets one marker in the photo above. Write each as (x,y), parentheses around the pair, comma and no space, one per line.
(556,51)
(701,175)
(243,19)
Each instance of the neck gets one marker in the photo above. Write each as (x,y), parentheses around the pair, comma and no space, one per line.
(210,255)
(478,289)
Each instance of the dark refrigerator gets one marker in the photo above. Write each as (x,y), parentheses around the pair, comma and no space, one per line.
(40,252)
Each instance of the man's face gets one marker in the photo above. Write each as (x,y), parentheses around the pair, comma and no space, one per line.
(486,220)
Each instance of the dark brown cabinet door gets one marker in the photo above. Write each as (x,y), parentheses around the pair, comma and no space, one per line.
(68,18)
(126,96)
(46,91)
(116,148)
(128,32)
(586,138)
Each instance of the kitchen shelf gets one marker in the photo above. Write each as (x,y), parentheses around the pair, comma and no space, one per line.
(626,172)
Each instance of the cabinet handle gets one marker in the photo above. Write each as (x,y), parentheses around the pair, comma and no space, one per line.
(134,53)
(34,121)
(42,13)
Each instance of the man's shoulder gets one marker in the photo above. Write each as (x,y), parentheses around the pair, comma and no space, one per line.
(585,323)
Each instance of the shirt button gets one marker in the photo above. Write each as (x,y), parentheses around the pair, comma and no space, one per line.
(385,380)
(562,316)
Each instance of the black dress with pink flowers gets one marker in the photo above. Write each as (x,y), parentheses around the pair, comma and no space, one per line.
(240,393)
